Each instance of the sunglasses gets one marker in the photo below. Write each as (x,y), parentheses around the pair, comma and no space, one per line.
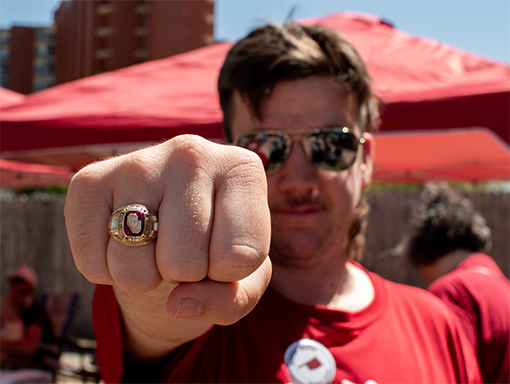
(327,149)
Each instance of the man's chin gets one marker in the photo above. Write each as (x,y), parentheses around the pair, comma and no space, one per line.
(296,254)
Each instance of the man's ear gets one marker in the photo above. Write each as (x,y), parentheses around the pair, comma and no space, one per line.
(367,164)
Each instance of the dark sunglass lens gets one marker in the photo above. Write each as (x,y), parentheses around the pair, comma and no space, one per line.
(332,150)
(270,147)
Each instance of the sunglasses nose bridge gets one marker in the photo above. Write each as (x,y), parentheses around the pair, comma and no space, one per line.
(306,146)
(301,141)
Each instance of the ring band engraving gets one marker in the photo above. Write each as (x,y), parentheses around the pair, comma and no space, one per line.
(133,225)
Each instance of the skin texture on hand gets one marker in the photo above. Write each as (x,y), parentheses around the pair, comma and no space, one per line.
(210,260)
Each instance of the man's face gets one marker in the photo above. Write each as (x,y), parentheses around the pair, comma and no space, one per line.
(311,209)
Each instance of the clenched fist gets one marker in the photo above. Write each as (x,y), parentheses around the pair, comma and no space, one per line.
(209,261)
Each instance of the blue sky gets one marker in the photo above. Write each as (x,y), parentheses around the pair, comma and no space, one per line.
(478,26)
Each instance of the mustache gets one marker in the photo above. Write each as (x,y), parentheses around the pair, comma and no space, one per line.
(296,201)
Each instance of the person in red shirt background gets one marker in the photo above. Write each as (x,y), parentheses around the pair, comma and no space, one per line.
(28,351)
(446,242)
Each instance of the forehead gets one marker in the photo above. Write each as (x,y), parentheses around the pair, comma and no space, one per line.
(313,102)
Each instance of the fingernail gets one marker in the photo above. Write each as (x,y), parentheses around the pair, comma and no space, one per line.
(188,307)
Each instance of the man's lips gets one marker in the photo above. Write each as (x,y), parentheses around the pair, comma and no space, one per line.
(299,209)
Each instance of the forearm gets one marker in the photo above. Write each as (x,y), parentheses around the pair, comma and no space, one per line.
(149,332)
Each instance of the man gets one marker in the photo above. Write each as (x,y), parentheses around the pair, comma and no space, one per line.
(192,304)
(28,352)
(446,242)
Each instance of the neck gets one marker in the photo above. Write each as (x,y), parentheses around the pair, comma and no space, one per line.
(444,264)
(343,287)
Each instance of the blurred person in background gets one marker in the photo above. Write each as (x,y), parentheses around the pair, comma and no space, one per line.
(28,352)
(446,243)
(12,327)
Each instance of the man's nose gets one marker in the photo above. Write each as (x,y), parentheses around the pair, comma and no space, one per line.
(297,173)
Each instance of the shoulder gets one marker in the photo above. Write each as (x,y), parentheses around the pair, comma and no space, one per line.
(477,275)
(452,283)
(415,300)
(406,299)
(479,260)
(408,292)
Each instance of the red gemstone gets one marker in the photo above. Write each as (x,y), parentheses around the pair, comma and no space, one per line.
(134,223)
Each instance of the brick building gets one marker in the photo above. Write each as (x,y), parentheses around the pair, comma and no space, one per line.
(27,58)
(96,36)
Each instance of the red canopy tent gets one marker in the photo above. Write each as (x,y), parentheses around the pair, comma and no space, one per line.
(423,83)
(9,98)
(15,174)
(457,155)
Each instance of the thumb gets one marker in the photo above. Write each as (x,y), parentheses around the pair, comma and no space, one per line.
(217,302)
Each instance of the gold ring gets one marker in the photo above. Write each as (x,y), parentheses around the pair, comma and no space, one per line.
(133,225)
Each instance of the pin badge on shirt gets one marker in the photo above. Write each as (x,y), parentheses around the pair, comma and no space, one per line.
(308,361)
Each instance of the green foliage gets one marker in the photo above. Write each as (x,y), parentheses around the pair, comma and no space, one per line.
(56,190)
(397,187)
(490,187)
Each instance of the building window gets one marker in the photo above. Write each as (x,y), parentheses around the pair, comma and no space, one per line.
(44,51)
(4,53)
(5,36)
(142,8)
(46,35)
(42,83)
(105,9)
(140,54)
(141,31)
(105,31)
(104,53)
(44,69)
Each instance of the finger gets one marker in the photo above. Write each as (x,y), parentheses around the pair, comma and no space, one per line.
(219,303)
(136,180)
(242,226)
(133,269)
(87,209)
(185,214)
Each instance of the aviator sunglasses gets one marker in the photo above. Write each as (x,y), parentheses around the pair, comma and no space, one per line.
(327,149)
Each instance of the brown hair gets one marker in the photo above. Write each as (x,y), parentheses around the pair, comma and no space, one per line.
(275,53)
(357,229)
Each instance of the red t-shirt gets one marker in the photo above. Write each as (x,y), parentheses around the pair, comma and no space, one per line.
(405,336)
(479,293)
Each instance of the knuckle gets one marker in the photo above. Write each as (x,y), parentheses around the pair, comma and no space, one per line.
(240,305)
(189,148)
(186,271)
(236,263)
(139,167)
(192,157)
(94,171)
(137,281)
(246,163)
(95,273)
(83,181)
(83,252)
(242,302)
